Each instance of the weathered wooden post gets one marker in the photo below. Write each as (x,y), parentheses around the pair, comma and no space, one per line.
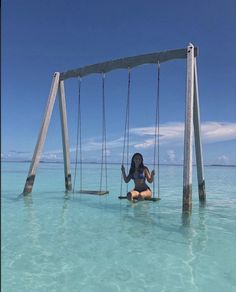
(42,135)
(188,132)
(65,139)
(197,136)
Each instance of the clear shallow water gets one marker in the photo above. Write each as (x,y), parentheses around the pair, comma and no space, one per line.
(55,242)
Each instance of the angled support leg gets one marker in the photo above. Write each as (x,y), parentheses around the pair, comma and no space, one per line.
(187,171)
(197,136)
(42,135)
(65,137)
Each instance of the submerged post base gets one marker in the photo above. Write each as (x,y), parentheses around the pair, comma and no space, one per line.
(68,183)
(186,218)
(202,192)
(28,185)
(187,198)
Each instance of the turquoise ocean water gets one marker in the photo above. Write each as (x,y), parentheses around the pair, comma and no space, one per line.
(51,241)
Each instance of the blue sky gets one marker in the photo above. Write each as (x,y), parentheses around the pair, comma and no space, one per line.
(41,37)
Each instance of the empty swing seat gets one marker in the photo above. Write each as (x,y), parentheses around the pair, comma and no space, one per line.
(89,192)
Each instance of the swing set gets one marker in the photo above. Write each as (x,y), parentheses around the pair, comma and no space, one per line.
(192,120)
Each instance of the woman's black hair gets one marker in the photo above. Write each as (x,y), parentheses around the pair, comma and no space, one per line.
(141,165)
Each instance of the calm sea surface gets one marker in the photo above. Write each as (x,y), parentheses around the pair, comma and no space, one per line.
(52,241)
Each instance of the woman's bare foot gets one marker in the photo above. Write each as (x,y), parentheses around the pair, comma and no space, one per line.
(129,196)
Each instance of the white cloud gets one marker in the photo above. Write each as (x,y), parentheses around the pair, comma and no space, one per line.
(53,152)
(146,144)
(13,154)
(143,138)
(49,156)
(174,133)
(90,145)
(169,133)
(171,156)
(93,145)
(223,159)
(217,132)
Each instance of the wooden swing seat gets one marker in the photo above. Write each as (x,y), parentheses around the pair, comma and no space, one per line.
(147,199)
(89,192)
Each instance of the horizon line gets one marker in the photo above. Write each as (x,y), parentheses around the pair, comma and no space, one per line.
(118,163)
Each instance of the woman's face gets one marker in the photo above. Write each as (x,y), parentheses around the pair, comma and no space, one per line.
(137,160)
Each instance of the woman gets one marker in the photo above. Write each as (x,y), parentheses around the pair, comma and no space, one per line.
(139,173)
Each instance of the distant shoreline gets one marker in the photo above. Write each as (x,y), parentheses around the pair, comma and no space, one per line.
(111,163)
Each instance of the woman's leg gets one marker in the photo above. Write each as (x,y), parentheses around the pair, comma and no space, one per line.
(147,194)
(132,195)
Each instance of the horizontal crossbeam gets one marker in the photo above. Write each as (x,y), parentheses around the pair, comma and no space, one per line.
(128,62)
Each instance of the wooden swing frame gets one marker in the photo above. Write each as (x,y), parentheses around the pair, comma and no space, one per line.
(192,116)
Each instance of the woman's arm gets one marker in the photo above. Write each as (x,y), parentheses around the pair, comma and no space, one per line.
(149,177)
(126,178)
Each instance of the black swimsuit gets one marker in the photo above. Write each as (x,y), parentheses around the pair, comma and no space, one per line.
(140,175)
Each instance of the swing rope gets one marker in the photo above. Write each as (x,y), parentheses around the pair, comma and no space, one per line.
(79,145)
(126,131)
(157,134)
(78,139)
(104,142)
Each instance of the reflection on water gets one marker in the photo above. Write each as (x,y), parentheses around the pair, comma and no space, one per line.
(186,218)
(31,221)
(67,242)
